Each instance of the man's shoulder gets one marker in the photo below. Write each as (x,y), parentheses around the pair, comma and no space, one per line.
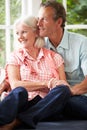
(75,39)
(76,35)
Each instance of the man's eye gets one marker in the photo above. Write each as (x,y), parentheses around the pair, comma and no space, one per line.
(24,32)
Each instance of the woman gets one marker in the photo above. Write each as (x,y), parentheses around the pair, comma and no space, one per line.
(40,72)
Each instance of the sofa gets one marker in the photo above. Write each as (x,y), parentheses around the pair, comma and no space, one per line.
(59,125)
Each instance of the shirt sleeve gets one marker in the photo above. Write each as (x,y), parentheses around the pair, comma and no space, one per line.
(83,56)
(58,60)
(13,59)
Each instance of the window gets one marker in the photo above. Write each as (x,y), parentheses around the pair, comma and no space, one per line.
(12,9)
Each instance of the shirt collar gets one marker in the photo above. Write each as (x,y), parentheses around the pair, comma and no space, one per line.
(64,41)
(41,54)
(23,54)
(63,44)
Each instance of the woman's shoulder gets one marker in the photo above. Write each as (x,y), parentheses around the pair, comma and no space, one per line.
(51,52)
(48,51)
(17,51)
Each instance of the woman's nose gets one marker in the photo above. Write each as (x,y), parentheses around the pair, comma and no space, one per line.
(20,37)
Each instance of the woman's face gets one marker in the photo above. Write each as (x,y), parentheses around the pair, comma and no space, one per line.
(25,35)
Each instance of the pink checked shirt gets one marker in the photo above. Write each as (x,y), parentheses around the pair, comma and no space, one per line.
(41,69)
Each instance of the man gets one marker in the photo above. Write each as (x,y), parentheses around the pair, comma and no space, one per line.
(73,48)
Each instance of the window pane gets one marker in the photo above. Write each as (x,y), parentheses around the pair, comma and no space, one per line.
(15,9)
(2,11)
(76,12)
(2,48)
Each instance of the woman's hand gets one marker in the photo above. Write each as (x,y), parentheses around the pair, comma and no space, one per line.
(54,82)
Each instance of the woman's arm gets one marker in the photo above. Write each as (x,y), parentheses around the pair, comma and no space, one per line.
(61,72)
(62,78)
(15,80)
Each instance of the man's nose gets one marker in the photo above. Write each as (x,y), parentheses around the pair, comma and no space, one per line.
(39,22)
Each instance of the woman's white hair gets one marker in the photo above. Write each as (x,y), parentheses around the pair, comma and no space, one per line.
(31,21)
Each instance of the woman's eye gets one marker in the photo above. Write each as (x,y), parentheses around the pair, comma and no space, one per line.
(23,32)
(16,33)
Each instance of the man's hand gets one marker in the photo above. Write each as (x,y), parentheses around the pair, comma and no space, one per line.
(4,86)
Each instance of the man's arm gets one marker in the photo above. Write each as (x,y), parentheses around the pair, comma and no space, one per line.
(80,88)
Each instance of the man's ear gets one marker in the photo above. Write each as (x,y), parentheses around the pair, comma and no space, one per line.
(59,21)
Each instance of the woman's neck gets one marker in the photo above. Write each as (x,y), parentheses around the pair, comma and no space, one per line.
(33,52)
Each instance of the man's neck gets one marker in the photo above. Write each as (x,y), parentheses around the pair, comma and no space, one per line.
(56,38)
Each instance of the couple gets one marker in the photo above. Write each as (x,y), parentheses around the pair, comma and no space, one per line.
(41,72)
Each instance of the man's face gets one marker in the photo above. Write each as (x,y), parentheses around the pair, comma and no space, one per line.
(46,23)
